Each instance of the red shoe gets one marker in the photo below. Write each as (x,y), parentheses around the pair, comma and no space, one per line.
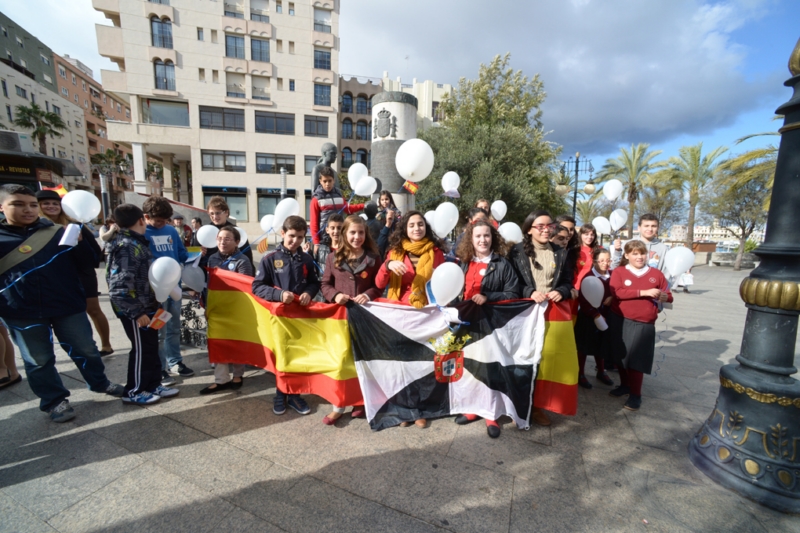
(358,412)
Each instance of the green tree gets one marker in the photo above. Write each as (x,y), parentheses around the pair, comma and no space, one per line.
(665,203)
(691,172)
(491,136)
(587,210)
(41,123)
(634,168)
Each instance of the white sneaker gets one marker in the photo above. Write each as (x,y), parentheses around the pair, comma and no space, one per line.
(166,392)
(143,398)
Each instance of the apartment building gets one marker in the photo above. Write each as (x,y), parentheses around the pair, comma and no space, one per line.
(428,94)
(355,119)
(229,91)
(75,83)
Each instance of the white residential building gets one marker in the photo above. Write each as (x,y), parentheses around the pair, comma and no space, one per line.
(228,91)
(428,93)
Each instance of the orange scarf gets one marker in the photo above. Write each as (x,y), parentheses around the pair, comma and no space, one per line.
(424,249)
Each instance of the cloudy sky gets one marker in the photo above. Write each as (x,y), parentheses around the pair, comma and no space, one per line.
(616,72)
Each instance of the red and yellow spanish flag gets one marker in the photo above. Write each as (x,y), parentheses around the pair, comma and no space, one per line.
(307,348)
(556,387)
(411,187)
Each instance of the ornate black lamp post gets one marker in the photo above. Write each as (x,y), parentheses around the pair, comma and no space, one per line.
(581,165)
(751,441)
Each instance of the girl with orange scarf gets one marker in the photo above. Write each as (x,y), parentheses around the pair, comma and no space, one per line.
(414,252)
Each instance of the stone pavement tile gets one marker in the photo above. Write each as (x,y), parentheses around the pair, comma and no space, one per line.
(449,492)
(51,475)
(553,465)
(23,422)
(148,498)
(17,519)
(310,505)
(772,520)
(240,521)
(150,433)
(218,415)
(663,424)
(536,433)
(602,424)
(613,453)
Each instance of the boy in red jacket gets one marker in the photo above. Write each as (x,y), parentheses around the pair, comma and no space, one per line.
(325,201)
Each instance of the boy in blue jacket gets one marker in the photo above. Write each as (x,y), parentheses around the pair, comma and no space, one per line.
(165,242)
(134,301)
(285,275)
(40,295)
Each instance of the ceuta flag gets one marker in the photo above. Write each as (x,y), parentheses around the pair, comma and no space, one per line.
(412,365)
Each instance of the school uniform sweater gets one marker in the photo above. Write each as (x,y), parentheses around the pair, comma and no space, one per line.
(625,286)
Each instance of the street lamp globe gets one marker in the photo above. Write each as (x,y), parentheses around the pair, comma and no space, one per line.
(589,188)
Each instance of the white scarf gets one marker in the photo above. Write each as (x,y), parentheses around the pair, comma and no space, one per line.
(638,272)
(599,275)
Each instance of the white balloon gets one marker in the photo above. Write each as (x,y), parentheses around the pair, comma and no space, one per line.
(678,260)
(510,232)
(176,294)
(414,160)
(447,283)
(602,225)
(618,218)
(164,275)
(194,278)
(207,236)
(499,210)
(364,216)
(266,222)
(445,219)
(286,208)
(242,236)
(450,181)
(355,173)
(82,206)
(430,218)
(592,289)
(612,189)
(366,186)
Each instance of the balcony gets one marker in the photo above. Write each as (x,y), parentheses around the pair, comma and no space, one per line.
(110,8)
(322,26)
(234,11)
(109,42)
(234,90)
(259,15)
(114,81)
(260,93)
(163,54)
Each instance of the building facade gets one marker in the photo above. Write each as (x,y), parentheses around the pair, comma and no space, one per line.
(76,84)
(714,232)
(428,94)
(229,91)
(355,119)
(23,49)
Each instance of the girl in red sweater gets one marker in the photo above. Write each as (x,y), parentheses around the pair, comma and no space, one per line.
(589,339)
(638,291)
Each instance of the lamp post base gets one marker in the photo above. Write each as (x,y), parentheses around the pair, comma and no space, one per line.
(751,441)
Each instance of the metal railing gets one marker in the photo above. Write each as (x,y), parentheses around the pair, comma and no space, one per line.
(260,93)
(236,91)
(234,10)
(259,15)
(323,26)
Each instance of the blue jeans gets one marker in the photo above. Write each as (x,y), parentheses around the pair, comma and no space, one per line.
(32,337)
(169,337)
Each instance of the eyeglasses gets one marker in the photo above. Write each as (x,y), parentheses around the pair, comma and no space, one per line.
(541,227)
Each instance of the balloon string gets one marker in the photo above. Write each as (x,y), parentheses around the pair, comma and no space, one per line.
(35,268)
(50,330)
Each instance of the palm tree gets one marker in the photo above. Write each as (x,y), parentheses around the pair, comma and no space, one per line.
(752,165)
(41,122)
(634,169)
(588,210)
(691,172)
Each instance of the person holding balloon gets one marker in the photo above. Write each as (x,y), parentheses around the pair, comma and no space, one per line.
(414,252)
(488,277)
(545,271)
(134,301)
(50,208)
(350,277)
(590,327)
(42,299)
(219,213)
(638,290)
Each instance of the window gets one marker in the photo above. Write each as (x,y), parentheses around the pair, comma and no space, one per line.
(163,2)
(23,63)
(78,123)
(347,157)
(259,50)
(259,15)
(165,75)
(62,72)
(278,6)
(76,98)
(45,60)
(119,108)
(74,80)
(347,129)
(291,47)
(234,46)
(322,94)
(234,11)
(65,92)
(57,110)
(33,97)
(104,99)
(220,118)
(21,92)
(47,78)
(213,36)
(165,112)
(291,85)
(215,76)
(311,162)
(86,103)
(199,34)
(316,126)
(361,156)
(347,103)
(235,197)
(162,32)
(5,31)
(279,46)
(5,88)
(267,201)
(362,131)
(277,123)
(20,43)
(361,106)
(83,84)
(201,74)
(8,114)
(272,163)
(223,160)
(322,59)
(47,105)
(280,84)
(291,9)
(127,112)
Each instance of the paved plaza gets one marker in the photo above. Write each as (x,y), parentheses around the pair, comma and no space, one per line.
(226,463)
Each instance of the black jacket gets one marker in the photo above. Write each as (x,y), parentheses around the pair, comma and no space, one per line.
(281,271)
(562,277)
(245,248)
(127,274)
(50,291)
(500,281)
